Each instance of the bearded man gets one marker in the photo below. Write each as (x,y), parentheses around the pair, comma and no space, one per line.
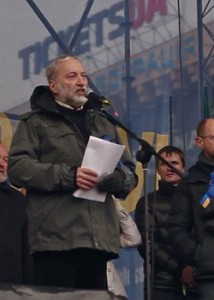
(71,238)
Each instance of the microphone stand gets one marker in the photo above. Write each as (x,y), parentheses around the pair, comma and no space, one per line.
(143,156)
(146,151)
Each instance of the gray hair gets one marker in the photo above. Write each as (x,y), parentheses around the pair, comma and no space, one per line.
(52,68)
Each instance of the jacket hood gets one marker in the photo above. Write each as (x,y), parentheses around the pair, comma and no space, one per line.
(42,98)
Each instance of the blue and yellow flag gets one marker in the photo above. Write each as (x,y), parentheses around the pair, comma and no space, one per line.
(205,201)
(209,195)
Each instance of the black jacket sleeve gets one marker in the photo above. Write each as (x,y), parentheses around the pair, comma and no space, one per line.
(180,225)
(159,249)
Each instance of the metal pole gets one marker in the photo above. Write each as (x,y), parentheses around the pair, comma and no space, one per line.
(127,78)
(81,24)
(170,121)
(200,58)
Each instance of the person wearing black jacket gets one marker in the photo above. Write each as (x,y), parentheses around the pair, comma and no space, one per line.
(15,262)
(170,276)
(191,220)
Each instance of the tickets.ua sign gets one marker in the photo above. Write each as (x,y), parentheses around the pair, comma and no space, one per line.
(141,11)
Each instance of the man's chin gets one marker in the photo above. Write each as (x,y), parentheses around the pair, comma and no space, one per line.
(2,178)
(77,101)
(171,180)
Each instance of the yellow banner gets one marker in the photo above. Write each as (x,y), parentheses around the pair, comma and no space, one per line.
(158,141)
(6,130)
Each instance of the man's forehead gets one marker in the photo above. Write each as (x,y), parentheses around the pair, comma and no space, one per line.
(170,156)
(209,126)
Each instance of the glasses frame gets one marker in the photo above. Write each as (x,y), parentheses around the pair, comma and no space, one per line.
(210,137)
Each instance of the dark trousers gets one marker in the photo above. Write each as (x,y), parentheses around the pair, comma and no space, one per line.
(78,269)
(161,294)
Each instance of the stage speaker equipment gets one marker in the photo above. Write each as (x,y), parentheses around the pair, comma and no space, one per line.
(15,292)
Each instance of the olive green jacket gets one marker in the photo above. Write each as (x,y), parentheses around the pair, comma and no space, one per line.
(45,153)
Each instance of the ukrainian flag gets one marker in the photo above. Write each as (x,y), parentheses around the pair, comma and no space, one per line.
(205,201)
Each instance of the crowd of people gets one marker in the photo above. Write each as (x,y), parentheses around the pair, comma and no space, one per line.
(51,237)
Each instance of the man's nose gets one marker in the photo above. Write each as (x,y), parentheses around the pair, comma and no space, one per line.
(80,80)
(169,168)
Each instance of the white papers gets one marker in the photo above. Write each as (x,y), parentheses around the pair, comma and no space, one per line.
(101,156)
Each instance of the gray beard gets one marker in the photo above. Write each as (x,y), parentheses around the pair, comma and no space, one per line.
(3,178)
(75,101)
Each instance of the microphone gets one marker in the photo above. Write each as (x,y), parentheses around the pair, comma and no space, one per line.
(90,94)
(99,100)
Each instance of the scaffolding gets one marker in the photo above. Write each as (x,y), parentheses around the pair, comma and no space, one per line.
(205,60)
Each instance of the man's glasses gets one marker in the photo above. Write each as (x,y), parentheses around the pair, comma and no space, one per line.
(210,137)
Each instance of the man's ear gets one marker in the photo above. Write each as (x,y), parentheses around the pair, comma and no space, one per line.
(157,169)
(199,142)
(52,86)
